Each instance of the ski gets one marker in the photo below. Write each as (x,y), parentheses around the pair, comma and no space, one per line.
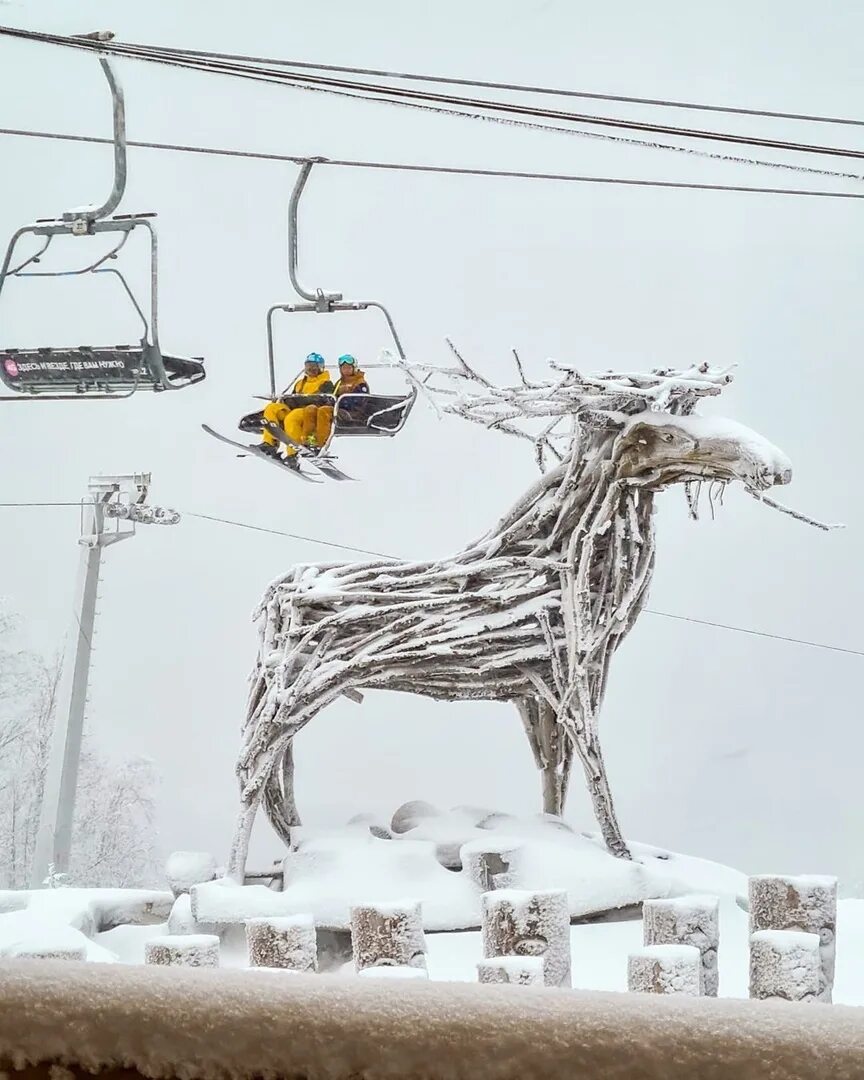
(324,465)
(253,451)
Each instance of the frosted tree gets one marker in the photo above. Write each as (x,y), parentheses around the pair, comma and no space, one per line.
(114,835)
(531,612)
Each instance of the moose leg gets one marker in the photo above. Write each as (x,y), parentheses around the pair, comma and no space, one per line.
(591,756)
(279,804)
(240,844)
(550,746)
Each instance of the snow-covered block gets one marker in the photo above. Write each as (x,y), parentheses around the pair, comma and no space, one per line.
(52,952)
(388,934)
(517,970)
(804,903)
(188,950)
(394,973)
(13,900)
(41,933)
(182,921)
(94,911)
(183,869)
(328,877)
(785,965)
(490,862)
(286,942)
(225,903)
(686,920)
(542,853)
(529,923)
(665,969)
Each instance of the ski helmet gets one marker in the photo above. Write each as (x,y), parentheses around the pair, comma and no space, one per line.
(347,358)
(315,358)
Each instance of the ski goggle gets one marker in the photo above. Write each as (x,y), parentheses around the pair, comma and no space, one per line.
(347,358)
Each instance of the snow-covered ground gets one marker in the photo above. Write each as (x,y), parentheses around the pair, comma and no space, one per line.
(115,925)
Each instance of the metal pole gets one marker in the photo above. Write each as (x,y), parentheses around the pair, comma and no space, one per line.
(54,839)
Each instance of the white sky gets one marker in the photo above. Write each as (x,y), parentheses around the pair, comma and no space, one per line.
(718,744)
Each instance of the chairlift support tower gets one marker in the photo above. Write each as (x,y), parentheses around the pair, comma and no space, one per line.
(118,501)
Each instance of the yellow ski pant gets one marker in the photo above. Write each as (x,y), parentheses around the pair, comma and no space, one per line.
(310,424)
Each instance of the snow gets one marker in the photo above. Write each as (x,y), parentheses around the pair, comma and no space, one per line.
(32,932)
(755,447)
(223,902)
(329,876)
(183,869)
(786,941)
(393,972)
(599,950)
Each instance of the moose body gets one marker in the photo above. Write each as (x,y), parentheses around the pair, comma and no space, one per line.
(531,613)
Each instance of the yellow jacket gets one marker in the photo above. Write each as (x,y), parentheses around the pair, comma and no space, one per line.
(314,384)
(352,384)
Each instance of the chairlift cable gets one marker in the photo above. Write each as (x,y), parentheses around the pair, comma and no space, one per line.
(451,170)
(173,58)
(522,88)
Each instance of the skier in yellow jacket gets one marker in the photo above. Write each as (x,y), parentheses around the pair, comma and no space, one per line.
(351,381)
(299,424)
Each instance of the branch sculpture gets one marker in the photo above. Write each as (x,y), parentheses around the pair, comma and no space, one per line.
(531,612)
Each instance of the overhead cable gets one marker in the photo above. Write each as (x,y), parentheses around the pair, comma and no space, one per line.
(164,55)
(450,170)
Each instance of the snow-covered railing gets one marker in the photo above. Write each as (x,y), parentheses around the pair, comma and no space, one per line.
(173,1022)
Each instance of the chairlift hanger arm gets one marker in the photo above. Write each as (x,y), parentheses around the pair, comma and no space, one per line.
(320,296)
(91,214)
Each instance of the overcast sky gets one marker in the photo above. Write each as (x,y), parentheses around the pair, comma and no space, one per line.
(718,744)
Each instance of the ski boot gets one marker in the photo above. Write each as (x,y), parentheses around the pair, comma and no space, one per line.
(270,449)
(291,462)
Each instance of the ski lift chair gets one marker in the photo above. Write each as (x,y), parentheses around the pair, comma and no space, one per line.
(95,371)
(355,415)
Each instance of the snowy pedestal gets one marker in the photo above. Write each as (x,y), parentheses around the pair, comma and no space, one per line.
(807,904)
(190,950)
(785,964)
(516,970)
(52,952)
(394,973)
(283,943)
(523,923)
(388,935)
(665,969)
(183,869)
(686,920)
(489,863)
